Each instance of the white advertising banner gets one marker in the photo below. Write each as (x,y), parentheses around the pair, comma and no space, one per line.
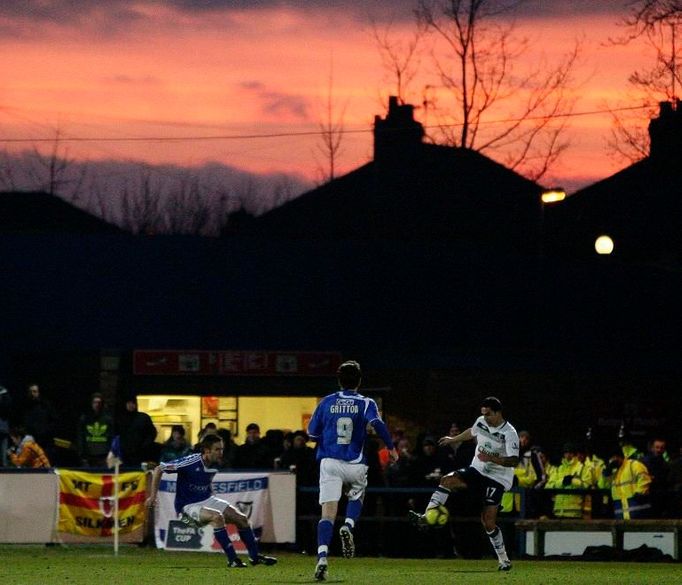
(250,492)
(28,507)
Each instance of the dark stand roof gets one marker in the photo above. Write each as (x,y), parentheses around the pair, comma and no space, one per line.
(30,212)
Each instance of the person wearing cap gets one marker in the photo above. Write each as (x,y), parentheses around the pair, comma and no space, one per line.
(571,473)
(489,475)
(339,427)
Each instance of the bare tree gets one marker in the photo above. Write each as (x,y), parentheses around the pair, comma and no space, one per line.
(490,106)
(56,173)
(99,201)
(187,208)
(647,15)
(400,58)
(657,24)
(331,131)
(141,203)
(8,180)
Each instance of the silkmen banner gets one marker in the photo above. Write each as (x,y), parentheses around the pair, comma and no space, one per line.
(248,492)
(86,502)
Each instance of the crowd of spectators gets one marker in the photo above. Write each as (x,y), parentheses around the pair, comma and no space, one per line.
(577,483)
(625,482)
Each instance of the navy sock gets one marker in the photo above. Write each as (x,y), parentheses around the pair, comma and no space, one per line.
(325,530)
(224,540)
(353,510)
(249,540)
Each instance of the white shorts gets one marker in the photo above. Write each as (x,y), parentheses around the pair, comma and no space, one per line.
(337,476)
(212,503)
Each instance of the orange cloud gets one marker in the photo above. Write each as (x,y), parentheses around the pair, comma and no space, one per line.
(181,76)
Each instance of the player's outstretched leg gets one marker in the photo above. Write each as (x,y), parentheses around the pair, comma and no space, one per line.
(438,498)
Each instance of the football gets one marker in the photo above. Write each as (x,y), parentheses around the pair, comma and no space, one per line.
(437,516)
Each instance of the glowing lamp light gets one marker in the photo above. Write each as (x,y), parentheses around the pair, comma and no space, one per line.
(603,245)
(553,195)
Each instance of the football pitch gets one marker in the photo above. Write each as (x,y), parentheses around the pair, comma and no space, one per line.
(97,565)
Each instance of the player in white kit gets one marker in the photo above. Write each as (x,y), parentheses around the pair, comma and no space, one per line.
(490,474)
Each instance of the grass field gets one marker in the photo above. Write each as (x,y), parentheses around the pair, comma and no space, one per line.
(96,565)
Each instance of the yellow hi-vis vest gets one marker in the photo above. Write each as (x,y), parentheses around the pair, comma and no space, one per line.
(630,490)
(525,478)
(568,505)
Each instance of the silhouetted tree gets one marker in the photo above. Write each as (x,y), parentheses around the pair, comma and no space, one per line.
(476,55)
(331,128)
(54,173)
(141,203)
(656,23)
(400,58)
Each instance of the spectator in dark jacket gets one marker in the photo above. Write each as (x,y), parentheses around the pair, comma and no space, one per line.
(229,449)
(40,419)
(176,446)
(137,432)
(300,459)
(253,453)
(659,469)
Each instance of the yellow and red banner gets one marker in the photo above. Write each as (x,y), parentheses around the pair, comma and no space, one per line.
(86,502)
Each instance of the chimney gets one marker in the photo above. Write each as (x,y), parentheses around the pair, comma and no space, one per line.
(398,136)
(665,133)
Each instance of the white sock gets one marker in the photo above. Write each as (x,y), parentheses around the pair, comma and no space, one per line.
(438,498)
(498,544)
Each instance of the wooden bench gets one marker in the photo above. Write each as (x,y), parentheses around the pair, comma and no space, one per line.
(617,528)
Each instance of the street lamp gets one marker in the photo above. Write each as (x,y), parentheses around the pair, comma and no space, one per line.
(604,245)
(553,195)
(548,197)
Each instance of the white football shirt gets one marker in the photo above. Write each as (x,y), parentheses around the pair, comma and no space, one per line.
(502,441)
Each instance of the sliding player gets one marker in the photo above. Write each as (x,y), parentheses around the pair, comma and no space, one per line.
(195,502)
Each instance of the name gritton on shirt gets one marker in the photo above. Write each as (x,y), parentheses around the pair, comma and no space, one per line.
(344,407)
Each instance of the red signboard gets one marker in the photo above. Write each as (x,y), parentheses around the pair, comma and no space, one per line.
(235,363)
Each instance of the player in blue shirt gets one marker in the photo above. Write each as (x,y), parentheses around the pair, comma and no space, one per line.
(195,502)
(339,425)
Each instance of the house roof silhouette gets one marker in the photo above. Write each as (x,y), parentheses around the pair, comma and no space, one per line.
(639,207)
(35,212)
(412,190)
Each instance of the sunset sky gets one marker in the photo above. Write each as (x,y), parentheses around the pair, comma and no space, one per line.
(192,81)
